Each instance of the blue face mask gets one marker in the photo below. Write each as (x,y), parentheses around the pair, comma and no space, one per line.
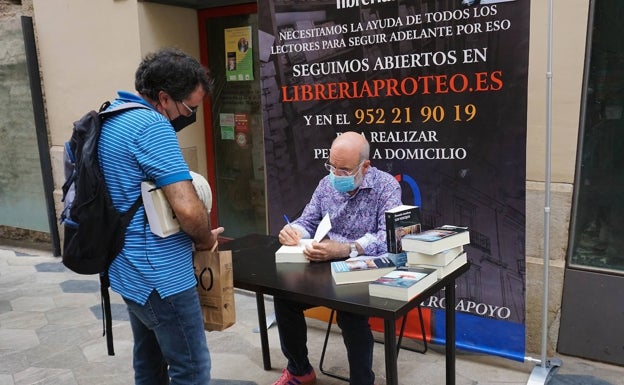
(343,184)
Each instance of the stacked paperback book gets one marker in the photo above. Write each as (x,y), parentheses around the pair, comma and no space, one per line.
(431,255)
(441,248)
(403,283)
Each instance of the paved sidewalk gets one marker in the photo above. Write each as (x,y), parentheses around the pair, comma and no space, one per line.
(51,333)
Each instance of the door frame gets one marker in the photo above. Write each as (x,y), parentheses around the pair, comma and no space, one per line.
(202,16)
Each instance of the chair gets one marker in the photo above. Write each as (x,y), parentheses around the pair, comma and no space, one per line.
(329,326)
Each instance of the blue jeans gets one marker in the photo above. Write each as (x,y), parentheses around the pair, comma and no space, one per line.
(356,334)
(169,340)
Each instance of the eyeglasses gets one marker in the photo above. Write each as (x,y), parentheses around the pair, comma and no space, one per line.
(191,110)
(342,171)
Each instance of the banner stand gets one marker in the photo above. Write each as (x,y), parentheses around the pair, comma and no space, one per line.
(542,373)
(444,112)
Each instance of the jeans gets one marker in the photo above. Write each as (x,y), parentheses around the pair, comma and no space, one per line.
(169,340)
(356,334)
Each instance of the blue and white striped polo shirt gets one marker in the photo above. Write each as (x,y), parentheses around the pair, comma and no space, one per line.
(135,146)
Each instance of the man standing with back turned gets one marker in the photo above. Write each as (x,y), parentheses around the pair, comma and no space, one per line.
(155,275)
(356,196)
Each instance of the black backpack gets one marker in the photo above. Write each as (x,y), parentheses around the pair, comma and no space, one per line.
(94,229)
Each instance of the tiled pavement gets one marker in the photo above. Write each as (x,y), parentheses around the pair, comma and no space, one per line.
(51,333)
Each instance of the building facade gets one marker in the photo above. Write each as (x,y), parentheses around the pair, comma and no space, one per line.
(88,50)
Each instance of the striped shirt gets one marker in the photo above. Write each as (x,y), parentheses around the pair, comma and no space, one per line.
(358,218)
(135,146)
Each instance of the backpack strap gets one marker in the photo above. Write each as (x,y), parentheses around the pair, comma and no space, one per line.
(107,318)
(128,215)
(120,107)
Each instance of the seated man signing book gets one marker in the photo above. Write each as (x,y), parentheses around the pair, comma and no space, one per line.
(355,195)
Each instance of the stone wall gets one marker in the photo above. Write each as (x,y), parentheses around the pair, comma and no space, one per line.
(561,194)
(560,210)
(23,211)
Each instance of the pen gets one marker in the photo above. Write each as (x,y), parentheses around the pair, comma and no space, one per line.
(288,222)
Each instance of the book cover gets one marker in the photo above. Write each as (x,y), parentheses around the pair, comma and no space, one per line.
(436,240)
(450,267)
(400,221)
(399,259)
(403,283)
(360,269)
(439,259)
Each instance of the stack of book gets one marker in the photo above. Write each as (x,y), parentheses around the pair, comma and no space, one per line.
(431,255)
(441,248)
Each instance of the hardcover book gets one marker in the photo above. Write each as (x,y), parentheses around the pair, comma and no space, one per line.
(363,268)
(436,240)
(439,259)
(450,267)
(400,221)
(403,283)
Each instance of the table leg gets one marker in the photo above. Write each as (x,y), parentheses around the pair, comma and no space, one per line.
(450,332)
(264,334)
(392,373)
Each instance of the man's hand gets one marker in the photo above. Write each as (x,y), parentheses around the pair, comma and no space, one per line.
(289,236)
(326,250)
(214,236)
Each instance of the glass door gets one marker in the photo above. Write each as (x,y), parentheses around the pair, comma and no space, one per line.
(591,314)
(234,133)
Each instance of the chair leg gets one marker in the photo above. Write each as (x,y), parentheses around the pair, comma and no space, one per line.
(327,373)
(422,330)
(399,347)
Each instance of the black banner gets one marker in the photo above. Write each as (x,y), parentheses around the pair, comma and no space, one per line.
(439,89)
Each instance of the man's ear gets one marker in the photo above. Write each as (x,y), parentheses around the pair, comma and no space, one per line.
(162,97)
(365,166)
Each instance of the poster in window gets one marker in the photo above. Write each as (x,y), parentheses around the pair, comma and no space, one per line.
(238,54)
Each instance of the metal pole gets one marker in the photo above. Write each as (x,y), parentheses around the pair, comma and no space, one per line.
(42,131)
(547,173)
(542,373)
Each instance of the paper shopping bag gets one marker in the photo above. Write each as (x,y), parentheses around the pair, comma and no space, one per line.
(215,286)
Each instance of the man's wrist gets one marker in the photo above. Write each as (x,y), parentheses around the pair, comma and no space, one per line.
(209,245)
